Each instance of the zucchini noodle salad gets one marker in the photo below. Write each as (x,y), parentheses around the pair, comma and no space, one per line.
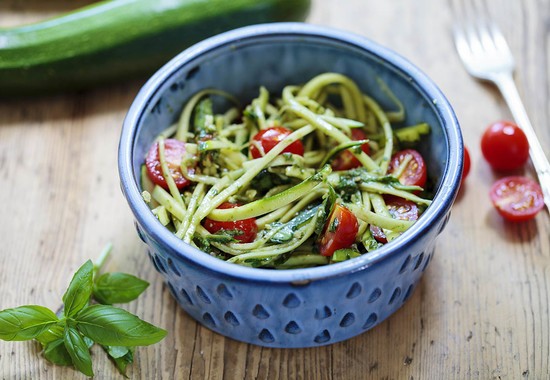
(315,177)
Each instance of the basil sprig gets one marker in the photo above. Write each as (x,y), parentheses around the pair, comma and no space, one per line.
(87,317)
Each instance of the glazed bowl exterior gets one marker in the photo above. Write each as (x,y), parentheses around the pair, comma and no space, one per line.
(298,307)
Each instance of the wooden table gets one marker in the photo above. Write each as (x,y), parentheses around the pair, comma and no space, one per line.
(481,310)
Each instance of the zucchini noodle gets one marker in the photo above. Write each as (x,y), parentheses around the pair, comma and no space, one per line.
(260,186)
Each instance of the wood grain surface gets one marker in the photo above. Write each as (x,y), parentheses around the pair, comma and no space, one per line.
(481,310)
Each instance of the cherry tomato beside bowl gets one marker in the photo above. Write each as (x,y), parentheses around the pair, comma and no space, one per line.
(346,160)
(174,151)
(517,198)
(505,146)
(339,232)
(414,174)
(244,230)
(466,164)
(269,137)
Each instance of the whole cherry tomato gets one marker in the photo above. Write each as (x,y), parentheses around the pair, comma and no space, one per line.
(466,164)
(339,232)
(505,146)
(244,230)
(415,173)
(399,208)
(174,151)
(347,160)
(517,198)
(266,139)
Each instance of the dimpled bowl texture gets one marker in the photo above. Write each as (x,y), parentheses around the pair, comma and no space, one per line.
(299,307)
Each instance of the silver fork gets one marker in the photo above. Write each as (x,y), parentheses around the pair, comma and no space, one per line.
(486,55)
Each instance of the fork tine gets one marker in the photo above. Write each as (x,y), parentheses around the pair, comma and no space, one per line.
(478,41)
(491,37)
(498,38)
(474,31)
(464,28)
(461,42)
(460,39)
(480,23)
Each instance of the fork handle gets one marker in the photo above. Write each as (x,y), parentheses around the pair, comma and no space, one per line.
(509,91)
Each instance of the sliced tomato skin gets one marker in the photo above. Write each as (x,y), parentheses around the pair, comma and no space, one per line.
(269,137)
(174,151)
(505,146)
(346,160)
(415,174)
(517,198)
(399,208)
(248,227)
(340,231)
(378,234)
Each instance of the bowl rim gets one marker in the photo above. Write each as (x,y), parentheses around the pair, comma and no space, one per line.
(442,200)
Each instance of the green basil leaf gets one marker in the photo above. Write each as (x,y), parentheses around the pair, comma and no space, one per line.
(329,201)
(88,341)
(78,351)
(111,326)
(121,362)
(25,322)
(53,333)
(80,289)
(112,288)
(116,351)
(56,353)
(286,233)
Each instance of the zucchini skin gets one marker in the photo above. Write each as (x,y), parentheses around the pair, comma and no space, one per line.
(117,40)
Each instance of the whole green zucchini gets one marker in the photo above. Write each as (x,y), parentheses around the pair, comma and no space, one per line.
(120,39)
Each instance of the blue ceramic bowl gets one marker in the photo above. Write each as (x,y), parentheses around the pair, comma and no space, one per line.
(298,307)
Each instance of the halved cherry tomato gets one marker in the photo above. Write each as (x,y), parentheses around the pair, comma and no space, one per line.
(268,138)
(399,208)
(346,160)
(517,198)
(174,151)
(505,146)
(339,232)
(245,229)
(415,172)
(466,164)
